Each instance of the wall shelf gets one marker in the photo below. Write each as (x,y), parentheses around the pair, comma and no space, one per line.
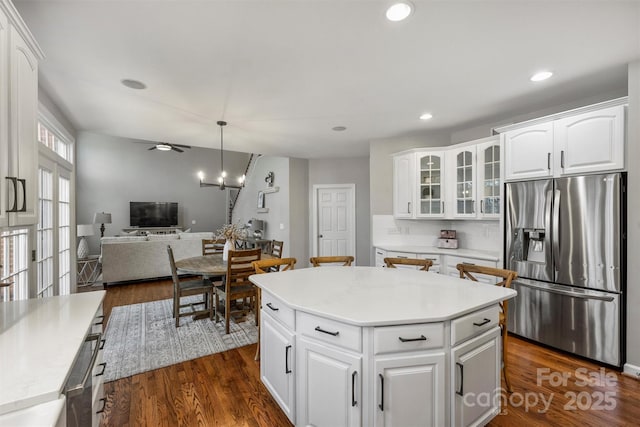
(271,190)
(263,210)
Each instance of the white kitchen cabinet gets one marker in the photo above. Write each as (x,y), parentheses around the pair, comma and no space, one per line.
(590,142)
(410,389)
(19,55)
(453,260)
(329,385)
(403,185)
(529,152)
(381,254)
(489,178)
(431,190)
(475,379)
(277,362)
(463,177)
(435,260)
(585,140)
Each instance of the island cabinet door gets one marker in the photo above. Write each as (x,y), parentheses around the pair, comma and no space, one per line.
(277,358)
(475,382)
(329,386)
(410,390)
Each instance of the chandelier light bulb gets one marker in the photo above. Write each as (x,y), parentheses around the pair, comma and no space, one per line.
(201,175)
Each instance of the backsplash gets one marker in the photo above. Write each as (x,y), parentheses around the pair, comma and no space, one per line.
(476,235)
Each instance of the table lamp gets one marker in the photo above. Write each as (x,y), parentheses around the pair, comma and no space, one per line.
(83,247)
(102,218)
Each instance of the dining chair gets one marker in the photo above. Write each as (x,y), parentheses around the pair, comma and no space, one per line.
(188,288)
(317,261)
(424,264)
(470,271)
(212,246)
(269,266)
(276,248)
(237,286)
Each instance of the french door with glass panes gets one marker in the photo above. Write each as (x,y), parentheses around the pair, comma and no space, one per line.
(14,264)
(431,192)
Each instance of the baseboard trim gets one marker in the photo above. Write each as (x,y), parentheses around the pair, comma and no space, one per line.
(632,371)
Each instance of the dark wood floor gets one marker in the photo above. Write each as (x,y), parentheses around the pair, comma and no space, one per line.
(549,388)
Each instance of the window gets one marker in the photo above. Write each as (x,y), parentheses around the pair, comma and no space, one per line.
(64,235)
(44,234)
(14,258)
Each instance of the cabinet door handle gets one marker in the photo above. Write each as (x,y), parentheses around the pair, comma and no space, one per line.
(104,404)
(13,180)
(272,307)
(335,334)
(286,360)
(461,392)
(354,402)
(420,338)
(481,206)
(473,204)
(549,161)
(381,404)
(562,159)
(104,366)
(442,207)
(24,195)
(408,207)
(484,322)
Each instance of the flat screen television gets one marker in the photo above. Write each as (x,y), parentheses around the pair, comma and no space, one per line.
(153,214)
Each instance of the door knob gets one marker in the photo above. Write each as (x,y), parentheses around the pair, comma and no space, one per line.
(320,236)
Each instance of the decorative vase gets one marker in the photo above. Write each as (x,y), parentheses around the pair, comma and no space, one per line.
(228,245)
(83,248)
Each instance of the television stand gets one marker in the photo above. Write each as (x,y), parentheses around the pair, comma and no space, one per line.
(153,230)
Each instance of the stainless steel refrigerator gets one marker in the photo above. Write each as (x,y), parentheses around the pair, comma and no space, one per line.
(566,239)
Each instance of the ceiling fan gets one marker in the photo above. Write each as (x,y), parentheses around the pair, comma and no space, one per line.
(165,146)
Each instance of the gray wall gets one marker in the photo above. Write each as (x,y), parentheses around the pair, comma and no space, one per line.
(633,217)
(351,170)
(299,209)
(113,171)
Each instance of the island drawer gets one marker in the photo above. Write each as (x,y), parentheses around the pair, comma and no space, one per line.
(473,324)
(330,331)
(278,310)
(393,339)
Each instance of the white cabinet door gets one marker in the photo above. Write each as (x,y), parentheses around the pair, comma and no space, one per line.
(403,185)
(329,391)
(435,259)
(277,356)
(590,142)
(381,254)
(5,186)
(463,177)
(489,185)
(529,152)
(476,371)
(23,110)
(409,390)
(431,189)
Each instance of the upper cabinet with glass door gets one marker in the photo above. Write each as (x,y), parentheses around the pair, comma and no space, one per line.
(489,178)
(431,190)
(463,161)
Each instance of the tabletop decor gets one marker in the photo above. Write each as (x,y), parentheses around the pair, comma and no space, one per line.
(230,233)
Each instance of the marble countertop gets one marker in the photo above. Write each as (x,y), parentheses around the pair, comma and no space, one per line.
(40,339)
(373,296)
(469,253)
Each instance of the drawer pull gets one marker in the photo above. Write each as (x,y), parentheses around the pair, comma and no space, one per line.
(286,360)
(468,263)
(421,338)
(272,307)
(354,402)
(335,334)
(104,366)
(484,322)
(104,404)
(461,392)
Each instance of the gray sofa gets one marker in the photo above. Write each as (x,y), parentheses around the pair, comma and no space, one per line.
(129,258)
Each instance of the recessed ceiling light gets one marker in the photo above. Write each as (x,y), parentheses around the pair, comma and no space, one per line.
(339,128)
(163,147)
(399,11)
(426,116)
(133,84)
(542,75)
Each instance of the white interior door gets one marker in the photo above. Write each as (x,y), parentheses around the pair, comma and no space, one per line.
(334,229)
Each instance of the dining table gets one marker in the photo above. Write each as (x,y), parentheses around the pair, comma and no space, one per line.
(207,265)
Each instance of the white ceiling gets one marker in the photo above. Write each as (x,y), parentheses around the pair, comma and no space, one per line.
(283,73)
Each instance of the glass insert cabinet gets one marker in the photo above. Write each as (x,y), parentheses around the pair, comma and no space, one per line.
(430,187)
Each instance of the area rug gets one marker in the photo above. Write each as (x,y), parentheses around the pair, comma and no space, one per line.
(143,337)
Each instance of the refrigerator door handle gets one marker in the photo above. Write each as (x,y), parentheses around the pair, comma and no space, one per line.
(555,227)
(567,293)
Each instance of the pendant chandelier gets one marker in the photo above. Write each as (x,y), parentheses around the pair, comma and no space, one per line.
(223,175)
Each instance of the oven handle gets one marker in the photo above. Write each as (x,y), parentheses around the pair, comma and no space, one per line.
(567,293)
(77,389)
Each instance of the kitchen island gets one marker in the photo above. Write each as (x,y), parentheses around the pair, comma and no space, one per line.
(371,346)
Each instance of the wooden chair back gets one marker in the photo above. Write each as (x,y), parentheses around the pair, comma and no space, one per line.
(212,246)
(174,270)
(240,267)
(276,248)
(317,261)
(424,264)
(266,265)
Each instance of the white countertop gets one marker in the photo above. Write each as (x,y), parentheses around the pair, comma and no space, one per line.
(39,341)
(374,296)
(469,253)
